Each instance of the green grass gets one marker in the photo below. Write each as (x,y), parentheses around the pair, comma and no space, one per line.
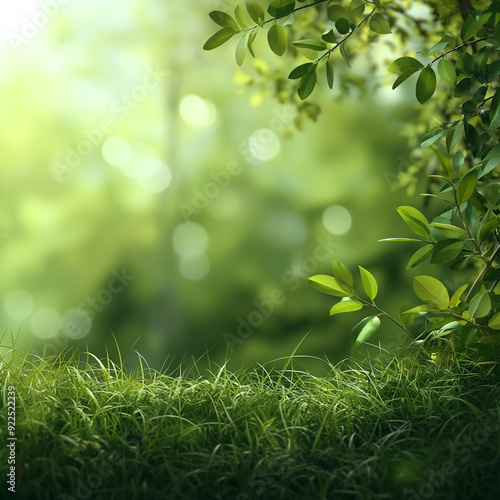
(89,429)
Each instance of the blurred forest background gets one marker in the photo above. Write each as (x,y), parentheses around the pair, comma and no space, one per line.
(146,189)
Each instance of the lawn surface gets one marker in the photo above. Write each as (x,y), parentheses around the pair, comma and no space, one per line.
(409,430)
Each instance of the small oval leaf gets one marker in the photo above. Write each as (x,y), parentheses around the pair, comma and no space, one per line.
(432,291)
(415,219)
(346,306)
(307,83)
(369,283)
(222,36)
(450,231)
(466,186)
(310,43)
(447,72)
(281,8)
(402,64)
(241,49)
(341,273)
(455,299)
(329,285)
(256,12)
(426,85)
(379,24)
(299,71)
(364,330)
(421,255)
(224,20)
(494,322)
(277,39)
(329,74)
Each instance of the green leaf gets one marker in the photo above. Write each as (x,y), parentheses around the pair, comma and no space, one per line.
(328,36)
(444,43)
(426,85)
(457,133)
(421,309)
(446,251)
(240,17)
(369,283)
(336,12)
(486,228)
(420,256)
(222,36)
(400,239)
(404,318)
(329,74)
(364,330)
(342,274)
(480,305)
(480,61)
(450,231)
(310,43)
(455,299)
(277,39)
(415,219)
(299,71)
(253,36)
(465,63)
(431,137)
(432,291)
(473,24)
(495,110)
(402,64)
(494,322)
(224,20)
(466,186)
(256,12)
(379,24)
(447,72)
(492,70)
(443,162)
(343,26)
(343,53)
(281,8)
(307,83)
(329,285)
(473,138)
(403,77)
(357,7)
(241,49)
(463,87)
(346,306)
(491,160)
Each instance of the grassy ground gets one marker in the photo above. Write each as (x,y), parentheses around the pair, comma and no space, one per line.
(89,430)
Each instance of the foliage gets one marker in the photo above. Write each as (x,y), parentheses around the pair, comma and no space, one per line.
(465,236)
(88,428)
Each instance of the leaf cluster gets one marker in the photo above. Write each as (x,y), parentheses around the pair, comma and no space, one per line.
(465,235)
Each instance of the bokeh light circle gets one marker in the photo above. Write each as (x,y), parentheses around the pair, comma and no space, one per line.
(18,304)
(116,151)
(337,220)
(46,323)
(190,237)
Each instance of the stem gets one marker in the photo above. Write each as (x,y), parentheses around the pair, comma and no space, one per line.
(466,227)
(466,44)
(480,277)
(338,44)
(394,320)
(294,11)
(461,318)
